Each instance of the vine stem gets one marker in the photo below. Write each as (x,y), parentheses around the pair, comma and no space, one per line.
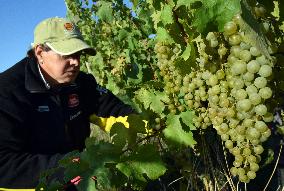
(89,68)
(277,161)
(229,179)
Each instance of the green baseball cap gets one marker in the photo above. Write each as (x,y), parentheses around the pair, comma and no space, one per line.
(62,36)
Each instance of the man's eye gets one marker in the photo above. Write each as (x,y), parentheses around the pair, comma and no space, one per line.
(76,55)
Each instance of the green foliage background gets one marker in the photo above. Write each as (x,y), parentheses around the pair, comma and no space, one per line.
(126,64)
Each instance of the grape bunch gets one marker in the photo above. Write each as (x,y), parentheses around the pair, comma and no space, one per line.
(171,76)
(230,90)
(248,73)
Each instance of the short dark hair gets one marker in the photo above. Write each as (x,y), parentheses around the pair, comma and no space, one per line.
(31,51)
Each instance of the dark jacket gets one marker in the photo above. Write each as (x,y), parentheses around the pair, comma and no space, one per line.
(38,126)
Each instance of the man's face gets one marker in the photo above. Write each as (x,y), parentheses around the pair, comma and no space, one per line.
(60,69)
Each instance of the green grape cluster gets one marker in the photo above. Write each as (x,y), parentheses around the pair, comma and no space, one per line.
(171,76)
(248,73)
(233,95)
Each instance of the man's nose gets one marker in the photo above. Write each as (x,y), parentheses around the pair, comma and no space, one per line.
(74,61)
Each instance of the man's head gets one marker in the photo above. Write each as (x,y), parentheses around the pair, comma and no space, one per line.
(57,46)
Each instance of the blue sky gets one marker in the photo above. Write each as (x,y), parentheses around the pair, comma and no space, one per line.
(18,19)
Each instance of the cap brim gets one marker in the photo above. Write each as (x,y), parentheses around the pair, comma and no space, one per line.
(71,46)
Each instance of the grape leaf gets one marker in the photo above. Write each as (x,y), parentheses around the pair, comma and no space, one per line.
(163,36)
(135,3)
(186,118)
(146,161)
(156,18)
(186,54)
(214,14)
(119,133)
(175,133)
(105,12)
(186,3)
(167,15)
(136,123)
(152,99)
(122,34)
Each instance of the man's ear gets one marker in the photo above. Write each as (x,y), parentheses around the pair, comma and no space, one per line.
(38,49)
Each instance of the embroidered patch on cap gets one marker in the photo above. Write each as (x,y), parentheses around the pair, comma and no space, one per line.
(69,26)
(73,100)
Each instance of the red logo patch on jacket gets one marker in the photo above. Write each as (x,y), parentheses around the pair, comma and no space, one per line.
(73,100)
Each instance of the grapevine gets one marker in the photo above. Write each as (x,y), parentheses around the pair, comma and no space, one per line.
(193,69)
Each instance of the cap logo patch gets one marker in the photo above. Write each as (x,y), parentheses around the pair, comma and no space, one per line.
(73,100)
(69,26)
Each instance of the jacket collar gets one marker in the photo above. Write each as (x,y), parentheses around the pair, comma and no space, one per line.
(33,81)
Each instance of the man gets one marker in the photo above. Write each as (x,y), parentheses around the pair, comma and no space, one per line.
(46,103)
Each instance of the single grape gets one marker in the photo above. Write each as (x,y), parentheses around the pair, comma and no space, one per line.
(253,133)
(258,149)
(251,174)
(235,151)
(224,127)
(244,178)
(246,151)
(255,98)
(260,82)
(220,74)
(267,133)
(241,171)
(224,137)
(237,163)
(235,51)
(268,117)
(248,77)
(210,36)
(234,171)
(260,109)
(241,129)
(213,80)
(253,66)
(245,55)
(234,39)
(261,126)
(251,159)
(215,90)
(238,83)
(260,11)
(229,144)
(248,122)
(230,28)
(255,141)
(239,67)
(265,92)
(230,113)
(239,158)
(243,105)
(224,102)
(241,94)
(231,59)
(251,89)
(262,60)
(254,167)
(254,51)
(213,43)
(265,71)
